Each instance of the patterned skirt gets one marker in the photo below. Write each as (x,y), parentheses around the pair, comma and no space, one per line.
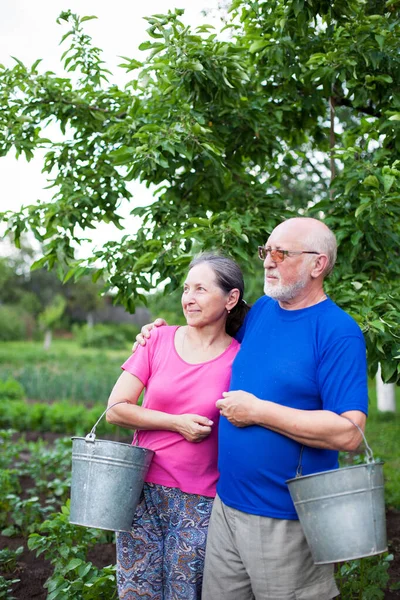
(162,558)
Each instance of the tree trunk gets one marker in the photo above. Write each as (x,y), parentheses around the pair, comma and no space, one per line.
(47,339)
(332,141)
(385,394)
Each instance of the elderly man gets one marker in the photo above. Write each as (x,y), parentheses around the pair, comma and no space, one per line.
(301,367)
(300,370)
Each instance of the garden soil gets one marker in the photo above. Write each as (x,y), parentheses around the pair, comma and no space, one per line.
(33,572)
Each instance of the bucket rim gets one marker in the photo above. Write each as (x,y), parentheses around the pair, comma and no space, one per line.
(127,530)
(355,557)
(77,437)
(301,477)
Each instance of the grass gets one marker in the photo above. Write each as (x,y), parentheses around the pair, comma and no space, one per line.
(65,372)
(382,433)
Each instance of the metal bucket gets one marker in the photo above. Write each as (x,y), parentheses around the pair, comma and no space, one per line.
(107,480)
(342,512)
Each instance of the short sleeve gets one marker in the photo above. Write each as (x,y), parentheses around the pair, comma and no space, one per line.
(342,376)
(139,363)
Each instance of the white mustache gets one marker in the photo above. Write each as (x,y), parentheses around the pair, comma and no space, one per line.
(273,272)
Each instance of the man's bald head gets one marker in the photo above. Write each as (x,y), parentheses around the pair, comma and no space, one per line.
(310,234)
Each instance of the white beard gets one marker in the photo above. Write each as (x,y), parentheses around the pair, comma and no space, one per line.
(282,292)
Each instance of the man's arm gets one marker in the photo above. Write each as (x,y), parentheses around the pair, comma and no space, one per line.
(315,428)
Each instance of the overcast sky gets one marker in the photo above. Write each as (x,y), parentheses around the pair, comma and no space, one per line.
(28,30)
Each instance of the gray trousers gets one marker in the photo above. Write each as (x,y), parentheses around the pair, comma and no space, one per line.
(258,558)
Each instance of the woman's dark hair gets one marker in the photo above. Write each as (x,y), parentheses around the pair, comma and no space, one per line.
(228,276)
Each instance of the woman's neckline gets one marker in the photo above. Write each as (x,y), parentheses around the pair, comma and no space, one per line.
(218,356)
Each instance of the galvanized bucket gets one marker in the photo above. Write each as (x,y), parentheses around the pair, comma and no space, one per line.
(107,480)
(342,512)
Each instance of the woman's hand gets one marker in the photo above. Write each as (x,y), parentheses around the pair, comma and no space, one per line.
(145,333)
(194,428)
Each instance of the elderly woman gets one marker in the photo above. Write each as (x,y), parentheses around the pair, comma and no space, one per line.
(184,371)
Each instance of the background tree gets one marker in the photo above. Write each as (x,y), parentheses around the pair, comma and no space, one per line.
(297,114)
(51,318)
(25,295)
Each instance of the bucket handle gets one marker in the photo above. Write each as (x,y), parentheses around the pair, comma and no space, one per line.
(90,437)
(369,456)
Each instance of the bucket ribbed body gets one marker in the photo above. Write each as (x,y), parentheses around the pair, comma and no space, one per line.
(106,484)
(342,512)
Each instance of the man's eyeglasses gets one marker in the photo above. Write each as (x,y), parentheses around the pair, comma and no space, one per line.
(278,255)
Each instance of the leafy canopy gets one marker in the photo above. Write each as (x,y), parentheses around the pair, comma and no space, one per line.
(298,113)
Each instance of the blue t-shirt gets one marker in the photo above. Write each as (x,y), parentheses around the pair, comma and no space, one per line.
(310,359)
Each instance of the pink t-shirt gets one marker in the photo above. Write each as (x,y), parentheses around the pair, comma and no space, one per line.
(177,387)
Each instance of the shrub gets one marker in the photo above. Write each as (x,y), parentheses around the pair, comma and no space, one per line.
(10,389)
(12,325)
(106,335)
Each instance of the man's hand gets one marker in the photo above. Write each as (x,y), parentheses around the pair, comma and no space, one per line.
(238,407)
(145,333)
(194,428)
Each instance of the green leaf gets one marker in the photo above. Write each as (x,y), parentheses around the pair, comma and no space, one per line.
(361,208)
(97,274)
(199,221)
(381,40)
(73,564)
(40,263)
(21,64)
(64,551)
(388,181)
(258,45)
(88,18)
(389,368)
(378,325)
(395,117)
(84,569)
(371,181)
(68,275)
(196,66)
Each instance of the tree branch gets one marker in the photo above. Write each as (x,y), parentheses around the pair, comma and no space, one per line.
(368,110)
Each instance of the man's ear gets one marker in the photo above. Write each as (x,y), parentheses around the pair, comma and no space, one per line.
(320,265)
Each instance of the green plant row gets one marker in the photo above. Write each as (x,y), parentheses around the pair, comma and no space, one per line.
(42,518)
(66,371)
(59,417)
(70,382)
(46,472)
(364,579)
(66,547)
(6,588)
(61,354)
(10,389)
